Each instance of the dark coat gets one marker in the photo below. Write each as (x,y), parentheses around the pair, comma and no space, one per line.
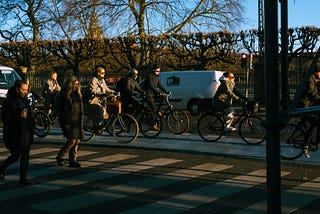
(17,131)
(311,95)
(130,85)
(71,116)
(225,95)
(152,84)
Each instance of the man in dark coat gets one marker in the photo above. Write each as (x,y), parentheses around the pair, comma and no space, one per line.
(130,85)
(152,86)
(70,120)
(18,129)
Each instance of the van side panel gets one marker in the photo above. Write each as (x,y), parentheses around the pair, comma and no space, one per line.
(188,85)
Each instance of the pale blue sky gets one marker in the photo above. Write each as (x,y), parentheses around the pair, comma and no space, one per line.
(300,13)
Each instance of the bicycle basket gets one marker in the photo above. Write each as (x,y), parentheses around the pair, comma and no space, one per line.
(253,106)
(114,106)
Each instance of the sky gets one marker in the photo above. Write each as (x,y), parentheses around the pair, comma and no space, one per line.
(301,13)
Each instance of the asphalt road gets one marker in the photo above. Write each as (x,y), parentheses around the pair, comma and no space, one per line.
(168,174)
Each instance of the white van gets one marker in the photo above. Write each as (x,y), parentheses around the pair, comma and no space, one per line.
(190,89)
(7,78)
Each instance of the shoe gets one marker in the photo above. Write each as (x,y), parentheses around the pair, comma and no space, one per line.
(306,152)
(230,128)
(1,175)
(156,128)
(74,165)
(60,161)
(25,182)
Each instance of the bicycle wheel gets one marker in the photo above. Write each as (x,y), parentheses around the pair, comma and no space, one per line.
(150,124)
(251,130)
(178,121)
(42,124)
(210,127)
(125,128)
(292,140)
(89,128)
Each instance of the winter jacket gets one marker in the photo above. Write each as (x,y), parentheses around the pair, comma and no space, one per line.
(152,83)
(311,95)
(225,94)
(71,116)
(17,131)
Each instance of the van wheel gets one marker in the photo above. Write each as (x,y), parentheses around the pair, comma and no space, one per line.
(194,107)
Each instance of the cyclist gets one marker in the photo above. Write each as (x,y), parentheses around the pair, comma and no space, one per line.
(224,97)
(311,97)
(152,86)
(127,88)
(98,101)
(50,89)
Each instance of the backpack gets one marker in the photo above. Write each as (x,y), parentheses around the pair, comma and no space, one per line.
(120,85)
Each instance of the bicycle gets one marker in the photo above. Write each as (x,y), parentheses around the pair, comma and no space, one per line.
(176,120)
(123,127)
(42,126)
(43,121)
(211,125)
(296,138)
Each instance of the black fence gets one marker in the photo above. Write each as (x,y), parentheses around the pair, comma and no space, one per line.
(249,82)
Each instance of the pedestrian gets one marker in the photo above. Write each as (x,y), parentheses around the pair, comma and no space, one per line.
(18,129)
(225,96)
(71,121)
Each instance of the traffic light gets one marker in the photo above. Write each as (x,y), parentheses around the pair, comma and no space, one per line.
(244,60)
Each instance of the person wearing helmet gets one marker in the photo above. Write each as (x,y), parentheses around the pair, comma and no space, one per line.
(128,97)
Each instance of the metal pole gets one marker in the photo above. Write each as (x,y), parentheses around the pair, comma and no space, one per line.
(272,106)
(284,54)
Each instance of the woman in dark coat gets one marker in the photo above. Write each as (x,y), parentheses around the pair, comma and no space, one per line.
(18,129)
(71,120)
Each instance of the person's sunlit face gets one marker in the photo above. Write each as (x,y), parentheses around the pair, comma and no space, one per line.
(157,71)
(231,77)
(75,85)
(23,90)
(54,76)
(101,73)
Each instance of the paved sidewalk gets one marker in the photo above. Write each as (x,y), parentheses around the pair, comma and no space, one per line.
(230,145)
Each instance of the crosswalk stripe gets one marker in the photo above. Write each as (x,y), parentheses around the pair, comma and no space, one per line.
(123,190)
(42,150)
(194,198)
(4,149)
(48,159)
(291,199)
(113,158)
(72,181)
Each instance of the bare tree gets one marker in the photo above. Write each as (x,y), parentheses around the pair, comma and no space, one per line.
(21,19)
(170,16)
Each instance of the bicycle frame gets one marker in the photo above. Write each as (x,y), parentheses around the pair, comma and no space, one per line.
(239,115)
